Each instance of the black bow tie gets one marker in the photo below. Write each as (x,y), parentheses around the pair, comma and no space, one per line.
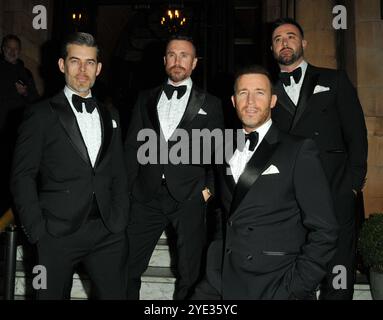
(253,137)
(169,90)
(90,103)
(285,76)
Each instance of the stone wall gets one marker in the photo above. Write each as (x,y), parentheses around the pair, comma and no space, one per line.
(363,55)
(369,72)
(316,20)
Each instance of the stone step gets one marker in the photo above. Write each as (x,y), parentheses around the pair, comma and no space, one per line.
(152,288)
(155,272)
(160,257)
(362,292)
(157,284)
(158,281)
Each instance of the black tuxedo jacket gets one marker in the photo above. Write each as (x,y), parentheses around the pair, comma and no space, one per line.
(53,181)
(184,180)
(281,229)
(334,119)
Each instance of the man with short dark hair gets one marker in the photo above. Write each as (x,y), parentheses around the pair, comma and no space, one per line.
(170,193)
(69,180)
(280,230)
(323,105)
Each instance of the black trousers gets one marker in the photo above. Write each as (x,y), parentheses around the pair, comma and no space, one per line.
(149,220)
(103,254)
(345,255)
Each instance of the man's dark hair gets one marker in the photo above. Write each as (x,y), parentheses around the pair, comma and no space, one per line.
(252,69)
(183,38)
(81,39)
(10,37)
(282,21)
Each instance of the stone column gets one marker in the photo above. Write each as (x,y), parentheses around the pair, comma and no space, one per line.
(316,20)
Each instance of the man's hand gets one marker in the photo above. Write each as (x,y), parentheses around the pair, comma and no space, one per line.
(21,89)
(206,194)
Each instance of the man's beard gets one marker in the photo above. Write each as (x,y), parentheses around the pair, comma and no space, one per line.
(177,76)
(289,60)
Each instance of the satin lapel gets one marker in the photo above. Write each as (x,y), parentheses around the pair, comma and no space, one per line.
(228,177)
(284,99)
(196,100)
(61,106)
(255,167)
(151,106)
(226,170)
(106,131)
(307,90)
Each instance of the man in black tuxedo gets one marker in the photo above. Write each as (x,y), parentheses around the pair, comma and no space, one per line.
(69,180)
(322,104)
(169,192)
(281,229)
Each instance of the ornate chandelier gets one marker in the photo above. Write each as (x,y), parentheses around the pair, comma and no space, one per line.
(173,20)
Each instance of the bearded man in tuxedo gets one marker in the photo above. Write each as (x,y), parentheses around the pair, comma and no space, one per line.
(170,193)
(323,105)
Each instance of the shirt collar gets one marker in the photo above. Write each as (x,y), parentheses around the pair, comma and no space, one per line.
(187,82)
(69,92)
(303,65)
(262,130)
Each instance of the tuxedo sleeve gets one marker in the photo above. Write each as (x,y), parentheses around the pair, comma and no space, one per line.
(25,168)
(354,130)
(131,144)
(314,198)
(216,122)
(120,200)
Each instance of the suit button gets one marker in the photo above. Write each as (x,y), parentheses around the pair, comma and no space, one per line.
(230,223)
(316,133)
(249,257)
(228,251)
(250,228)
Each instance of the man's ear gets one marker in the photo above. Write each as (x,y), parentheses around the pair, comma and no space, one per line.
(61,64)
(273,101)
(164,61)
(99,67)
(233,100)
(304,44)
(195,60)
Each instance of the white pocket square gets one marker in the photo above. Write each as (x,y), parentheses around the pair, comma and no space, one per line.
(270,170)
(319,88)
(114,123)
(201,111)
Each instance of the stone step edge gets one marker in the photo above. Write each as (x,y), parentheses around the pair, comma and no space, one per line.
(150,274)
(161,246)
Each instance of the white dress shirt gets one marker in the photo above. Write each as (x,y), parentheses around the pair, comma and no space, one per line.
(170,112)
(89,124)
(240,158)
(294,89)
